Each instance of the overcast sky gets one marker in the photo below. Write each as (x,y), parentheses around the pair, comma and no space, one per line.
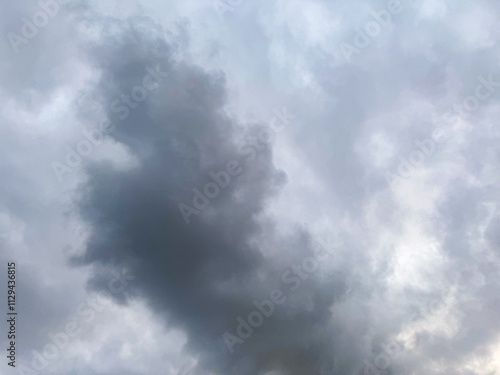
(251,187)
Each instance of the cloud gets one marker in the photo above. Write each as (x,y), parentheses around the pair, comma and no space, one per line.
(199,277)
(410,284)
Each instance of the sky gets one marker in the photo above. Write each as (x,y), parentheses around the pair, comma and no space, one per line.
(250,187)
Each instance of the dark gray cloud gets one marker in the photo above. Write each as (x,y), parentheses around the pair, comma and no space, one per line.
(204,275)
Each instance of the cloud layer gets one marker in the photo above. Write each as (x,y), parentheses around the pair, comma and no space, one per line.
(245,187)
